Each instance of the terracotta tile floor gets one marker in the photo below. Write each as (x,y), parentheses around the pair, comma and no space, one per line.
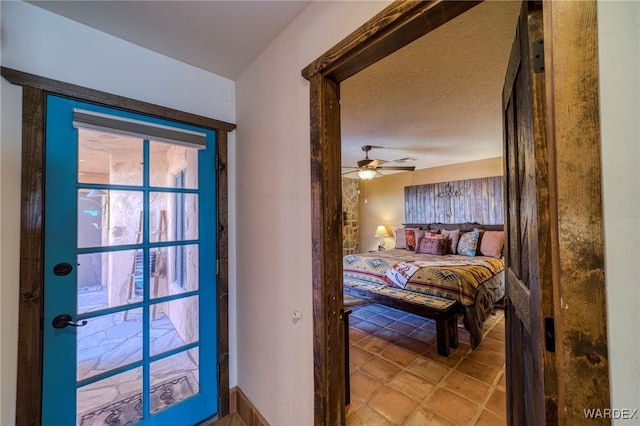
(398,378)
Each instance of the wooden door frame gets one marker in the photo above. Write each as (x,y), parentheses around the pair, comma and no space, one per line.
(581,350)
(31,303)
(577,225)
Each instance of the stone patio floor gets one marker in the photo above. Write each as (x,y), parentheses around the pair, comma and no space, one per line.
(108,342)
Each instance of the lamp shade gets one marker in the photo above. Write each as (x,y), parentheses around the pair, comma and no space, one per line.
(367,174)
(381,232)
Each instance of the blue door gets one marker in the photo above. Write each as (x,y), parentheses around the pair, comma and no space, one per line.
(130,271)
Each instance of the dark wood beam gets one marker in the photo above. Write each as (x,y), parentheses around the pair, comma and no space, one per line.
(31,303)
(326,222)
(399,24)
(222,182)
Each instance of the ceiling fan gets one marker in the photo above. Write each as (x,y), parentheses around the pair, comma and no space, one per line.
(368,168)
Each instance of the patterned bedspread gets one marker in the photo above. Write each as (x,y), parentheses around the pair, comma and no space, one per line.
(452,276)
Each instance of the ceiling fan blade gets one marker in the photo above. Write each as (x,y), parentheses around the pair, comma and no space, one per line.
(370,164)
(364,163)
(352,171)
(349,167)
(407,168)
(376,163)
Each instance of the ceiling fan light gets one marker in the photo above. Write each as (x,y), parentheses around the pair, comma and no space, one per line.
(367,174)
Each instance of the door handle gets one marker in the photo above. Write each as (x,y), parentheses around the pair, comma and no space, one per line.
(64,320)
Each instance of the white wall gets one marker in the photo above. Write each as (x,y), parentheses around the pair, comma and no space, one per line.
(619,49)
(9,245)
(39,42)
(275,355)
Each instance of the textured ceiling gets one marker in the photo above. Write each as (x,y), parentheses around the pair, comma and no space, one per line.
(438,100)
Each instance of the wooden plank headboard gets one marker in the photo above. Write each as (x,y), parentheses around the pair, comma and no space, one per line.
(472,200)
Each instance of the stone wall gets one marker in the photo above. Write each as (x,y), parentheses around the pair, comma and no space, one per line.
(350,217)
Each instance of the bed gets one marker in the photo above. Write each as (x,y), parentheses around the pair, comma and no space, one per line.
(475,282)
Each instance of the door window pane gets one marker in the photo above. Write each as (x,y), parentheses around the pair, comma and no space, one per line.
(169,160)
(173,324)
(106,280)
(174,378)
(173,216)
(109,158)
(116,400)
(108,342)
(109,218)
(92,217)
(174,270)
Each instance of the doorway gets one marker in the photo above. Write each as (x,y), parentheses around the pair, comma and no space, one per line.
(125,294)
(32,271)
(393,28)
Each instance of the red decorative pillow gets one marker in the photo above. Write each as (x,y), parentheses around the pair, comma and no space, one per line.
(410,238)
(436,244)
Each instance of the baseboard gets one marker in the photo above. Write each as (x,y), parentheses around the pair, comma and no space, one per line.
(232,399)
(239,402)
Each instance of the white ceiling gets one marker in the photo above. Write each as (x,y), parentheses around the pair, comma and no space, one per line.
(222,37)
(438,100)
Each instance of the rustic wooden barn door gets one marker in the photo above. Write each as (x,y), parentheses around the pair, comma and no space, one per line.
(531,378)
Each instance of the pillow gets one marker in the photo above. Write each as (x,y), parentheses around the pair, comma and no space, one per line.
(468,243)
(410,238)
(452,240)
(492,243)
(401,239)
(436,244)
(413,236)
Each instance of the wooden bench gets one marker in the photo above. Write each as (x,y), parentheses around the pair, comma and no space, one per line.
(443,311)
